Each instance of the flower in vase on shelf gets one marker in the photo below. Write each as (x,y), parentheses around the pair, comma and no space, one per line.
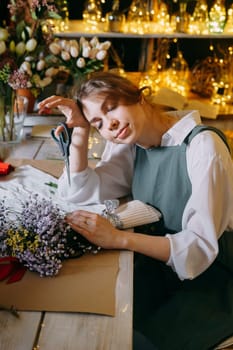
(79,57)
(37,237)
(12,108)
(23,51)
(30,40)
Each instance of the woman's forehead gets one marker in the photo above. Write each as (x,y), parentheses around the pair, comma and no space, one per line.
(101,99)
(93,99)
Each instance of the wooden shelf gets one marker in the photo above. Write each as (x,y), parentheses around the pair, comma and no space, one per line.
(76,29)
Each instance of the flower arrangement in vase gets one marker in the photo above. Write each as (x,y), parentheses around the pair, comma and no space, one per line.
(79,58)
(23,50)
(32,58)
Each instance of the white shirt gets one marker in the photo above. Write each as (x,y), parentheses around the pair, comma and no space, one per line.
(209,210)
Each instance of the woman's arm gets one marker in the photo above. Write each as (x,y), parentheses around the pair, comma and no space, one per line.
(209,210)
(100,231)
(111,178)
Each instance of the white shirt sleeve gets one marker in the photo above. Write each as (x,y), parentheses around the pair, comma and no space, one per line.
(111,178)
(209,210)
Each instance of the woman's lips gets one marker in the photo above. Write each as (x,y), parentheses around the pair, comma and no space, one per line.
(123,133)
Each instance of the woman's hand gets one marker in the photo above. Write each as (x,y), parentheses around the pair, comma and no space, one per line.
(97,229)
(73,114)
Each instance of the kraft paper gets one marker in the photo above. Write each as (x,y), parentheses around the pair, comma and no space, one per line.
(86,284)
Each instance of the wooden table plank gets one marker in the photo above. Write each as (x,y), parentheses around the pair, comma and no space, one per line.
(49,150)
(21,150)
(91,332)
(19,333)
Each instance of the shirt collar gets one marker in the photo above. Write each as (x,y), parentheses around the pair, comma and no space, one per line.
(177,133)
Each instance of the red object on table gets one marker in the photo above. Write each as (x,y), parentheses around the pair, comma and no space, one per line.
(5,168)
(11,269)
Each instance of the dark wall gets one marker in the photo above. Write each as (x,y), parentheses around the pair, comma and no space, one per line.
(4,14)
(76,9)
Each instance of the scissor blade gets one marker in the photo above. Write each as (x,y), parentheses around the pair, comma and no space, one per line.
(68,170)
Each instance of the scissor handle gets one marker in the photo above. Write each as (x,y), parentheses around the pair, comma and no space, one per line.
(63,140)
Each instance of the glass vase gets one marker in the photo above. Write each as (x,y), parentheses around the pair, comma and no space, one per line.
(182,18)
(115,19)
(13,110)
(217,17)
(199,22)
(92,15)
(138,17)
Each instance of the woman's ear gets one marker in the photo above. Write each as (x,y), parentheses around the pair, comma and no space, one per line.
(144,91)
(141,100)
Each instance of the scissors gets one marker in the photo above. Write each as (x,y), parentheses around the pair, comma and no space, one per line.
(63,141)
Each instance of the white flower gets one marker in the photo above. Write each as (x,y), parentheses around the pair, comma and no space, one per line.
(64,44)
(40,65)
(74,43)
(29,32)
(104,46)
(20,48)
(55,48)
(2,46)
(29,84)
(86,51)
(31,44)
(94,41)
(29,59)
(81,62)
(74,51)
(26,67)
(101,55)
(93,53)
(83,41)
(3,34)
(65,55)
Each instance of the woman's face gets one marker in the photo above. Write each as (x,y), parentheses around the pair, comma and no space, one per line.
(115,122)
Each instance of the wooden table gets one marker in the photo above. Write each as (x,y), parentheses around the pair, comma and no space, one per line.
(68,331)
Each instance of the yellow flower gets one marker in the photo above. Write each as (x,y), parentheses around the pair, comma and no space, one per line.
(4,34)
(2,47)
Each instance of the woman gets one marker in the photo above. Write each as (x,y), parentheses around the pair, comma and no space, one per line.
(183,282)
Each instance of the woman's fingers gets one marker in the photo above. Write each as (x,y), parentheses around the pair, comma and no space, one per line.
(57,102)
(81,218)
(96,229)
(68,107)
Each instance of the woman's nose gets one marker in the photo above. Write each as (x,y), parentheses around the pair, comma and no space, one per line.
(113,124)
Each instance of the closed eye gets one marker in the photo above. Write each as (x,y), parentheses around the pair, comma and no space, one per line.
(97,123)
(111,108)
(108,107)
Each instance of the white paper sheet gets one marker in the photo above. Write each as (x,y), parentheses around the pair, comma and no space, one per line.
(26,180)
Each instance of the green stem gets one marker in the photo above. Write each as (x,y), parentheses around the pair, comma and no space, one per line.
(2,117)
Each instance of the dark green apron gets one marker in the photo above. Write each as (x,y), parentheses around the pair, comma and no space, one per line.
(178,315)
